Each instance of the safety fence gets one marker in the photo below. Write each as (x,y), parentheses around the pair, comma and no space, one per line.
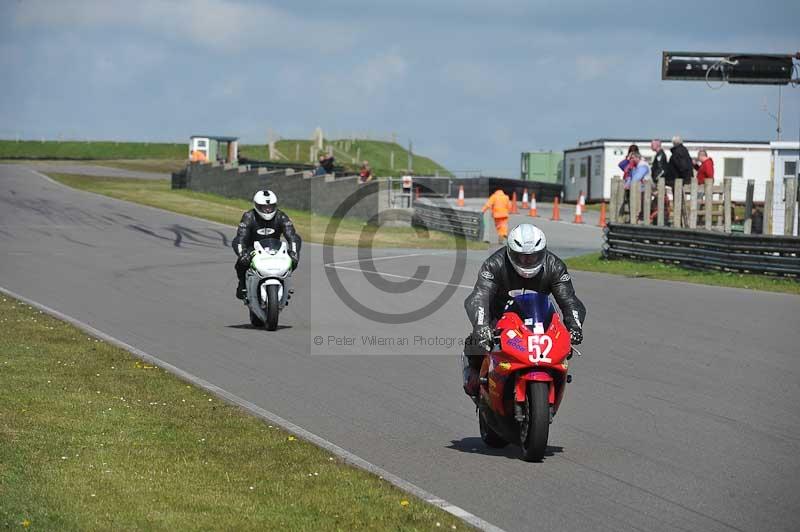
(692,205)
(707,250)
(433,214)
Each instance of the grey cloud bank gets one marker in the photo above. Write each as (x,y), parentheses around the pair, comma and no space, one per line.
(472,83)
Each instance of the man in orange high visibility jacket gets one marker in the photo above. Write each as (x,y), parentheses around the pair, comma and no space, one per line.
(500,205)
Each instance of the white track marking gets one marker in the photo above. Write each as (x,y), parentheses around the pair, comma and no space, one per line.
(256,410)
(387,257)
(406,277)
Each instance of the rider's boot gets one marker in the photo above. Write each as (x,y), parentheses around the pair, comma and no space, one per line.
(241,291)
(471,382)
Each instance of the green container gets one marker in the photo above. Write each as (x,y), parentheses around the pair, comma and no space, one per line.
(541,166)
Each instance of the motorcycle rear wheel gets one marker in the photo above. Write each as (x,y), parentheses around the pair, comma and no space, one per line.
(489,436)
(535,427)
(272,307)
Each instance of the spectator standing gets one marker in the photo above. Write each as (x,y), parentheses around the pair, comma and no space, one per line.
(705,167)
(365,174)
(681,162)
(660,167)
(624,163)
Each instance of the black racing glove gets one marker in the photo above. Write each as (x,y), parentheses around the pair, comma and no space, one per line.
(575,336)
(246,257)
(483,335)
(295,259)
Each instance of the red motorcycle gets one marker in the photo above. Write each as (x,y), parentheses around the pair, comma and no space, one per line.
(524,376)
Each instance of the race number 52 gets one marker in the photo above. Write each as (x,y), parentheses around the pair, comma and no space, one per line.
(539,346)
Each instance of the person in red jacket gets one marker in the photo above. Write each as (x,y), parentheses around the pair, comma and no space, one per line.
(704,166)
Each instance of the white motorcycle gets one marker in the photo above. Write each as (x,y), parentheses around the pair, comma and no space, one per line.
(268,282)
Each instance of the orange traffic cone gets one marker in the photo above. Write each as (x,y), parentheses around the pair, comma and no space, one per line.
(602,215)
(579,210)
(556,217)
(460,200)
(525,199)
(532,212)
(514,209)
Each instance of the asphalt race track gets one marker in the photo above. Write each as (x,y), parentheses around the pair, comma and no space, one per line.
(683,414)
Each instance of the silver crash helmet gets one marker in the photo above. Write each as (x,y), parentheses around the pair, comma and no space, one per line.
(526,248)
(265,203)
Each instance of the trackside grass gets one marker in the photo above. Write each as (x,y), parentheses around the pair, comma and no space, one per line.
(657,270)
(312,227)
(93,439)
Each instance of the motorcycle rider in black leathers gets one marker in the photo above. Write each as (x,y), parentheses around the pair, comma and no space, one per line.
(525,263)
(264,220)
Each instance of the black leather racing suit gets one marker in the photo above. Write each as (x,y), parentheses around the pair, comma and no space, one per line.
(252,228)
(497,277)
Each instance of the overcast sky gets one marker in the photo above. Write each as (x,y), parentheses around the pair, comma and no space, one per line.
(472,83)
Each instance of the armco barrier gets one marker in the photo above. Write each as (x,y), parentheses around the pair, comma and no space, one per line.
(274,165)
(483,187)
(440,217)
(708,250)
(295,190)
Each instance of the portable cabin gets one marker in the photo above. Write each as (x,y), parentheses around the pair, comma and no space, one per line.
(590,166)
(213,148)
(541,166)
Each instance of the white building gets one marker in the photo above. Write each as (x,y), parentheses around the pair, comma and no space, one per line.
(590,166)
(787,165)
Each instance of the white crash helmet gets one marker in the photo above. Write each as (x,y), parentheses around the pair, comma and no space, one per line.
(526,248)
(265,203)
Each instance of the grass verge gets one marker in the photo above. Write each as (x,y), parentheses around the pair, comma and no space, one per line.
(93,439)
(593,262)
(312,227)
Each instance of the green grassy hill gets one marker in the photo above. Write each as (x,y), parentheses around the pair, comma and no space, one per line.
(54,149)
(349,154)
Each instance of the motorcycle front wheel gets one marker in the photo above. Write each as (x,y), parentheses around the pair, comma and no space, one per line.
(272,307)
(535,426)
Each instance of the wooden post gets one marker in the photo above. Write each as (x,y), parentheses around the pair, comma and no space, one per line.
(790,204)
(768,191)
(677,203)
(748,207)
(661,199)
(635,200)
(727,216)
(297,152)
(693,204)
(391,160)
(708,192)
(613,205)
(647,199)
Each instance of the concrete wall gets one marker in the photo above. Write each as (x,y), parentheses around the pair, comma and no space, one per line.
(295,190)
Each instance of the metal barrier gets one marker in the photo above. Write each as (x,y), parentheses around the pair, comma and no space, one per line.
(274,165)
(707,250)
(433,215)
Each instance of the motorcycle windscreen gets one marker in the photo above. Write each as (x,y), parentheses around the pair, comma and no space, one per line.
(532,307)
(270,244)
